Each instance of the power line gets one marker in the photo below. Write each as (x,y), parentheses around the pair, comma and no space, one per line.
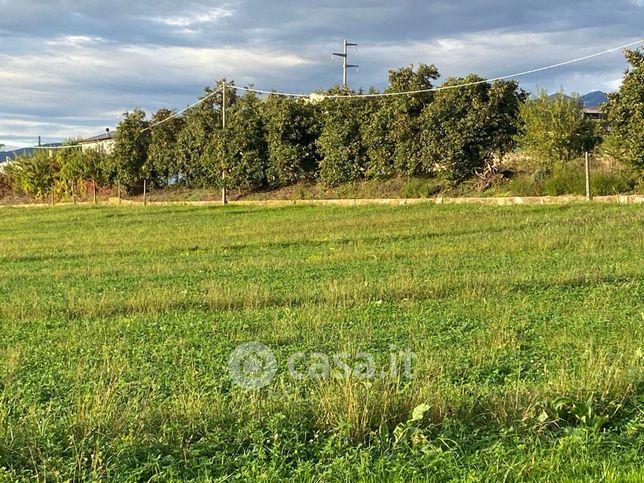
(442,88)
(371,95)
(178,113)
(173,115)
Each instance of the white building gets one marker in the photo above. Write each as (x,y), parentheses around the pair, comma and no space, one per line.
(102,142)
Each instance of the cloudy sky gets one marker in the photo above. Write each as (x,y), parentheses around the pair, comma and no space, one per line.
(71,67)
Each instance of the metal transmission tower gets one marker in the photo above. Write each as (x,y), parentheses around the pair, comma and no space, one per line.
(345,57)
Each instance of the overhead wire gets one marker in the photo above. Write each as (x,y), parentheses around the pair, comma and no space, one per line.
(178,113)
(372,95)
(150,126)
(440,88)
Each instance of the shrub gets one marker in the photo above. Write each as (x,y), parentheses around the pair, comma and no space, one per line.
(555,129)
(34,175)
(5,184)
(610,184)
(565,181)
(525,185)
(421,188)
(291,128)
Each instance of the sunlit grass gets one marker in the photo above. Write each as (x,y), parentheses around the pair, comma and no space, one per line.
(117,324)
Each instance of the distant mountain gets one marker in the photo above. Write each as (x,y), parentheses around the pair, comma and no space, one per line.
(11,155)
(594,99)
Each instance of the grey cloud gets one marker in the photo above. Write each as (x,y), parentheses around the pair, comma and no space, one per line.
(118,55)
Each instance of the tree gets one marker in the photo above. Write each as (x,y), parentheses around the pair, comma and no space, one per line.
(195,155)
(625,111)
(77,166)
(239,153)
(71,161)
(5,184)
(503,116)
(162,153)
(392,132)
(341,147)
(34,175)
(465,128)
(130,153)
(292,128)
(555,128)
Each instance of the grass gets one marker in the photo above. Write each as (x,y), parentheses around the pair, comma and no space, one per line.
(117,325)
(567,180)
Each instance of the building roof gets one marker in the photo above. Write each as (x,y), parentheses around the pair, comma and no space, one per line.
(107,136)
(594,110)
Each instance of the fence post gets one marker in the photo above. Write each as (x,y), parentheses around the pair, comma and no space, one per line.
(118,190)
(94,190)
(224,194)
(589,195)
(145,193)
(73,192)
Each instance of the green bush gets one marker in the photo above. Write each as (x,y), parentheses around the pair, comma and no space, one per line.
(33,175)
(524,185)
(610,184)
(568,180)
(420,188)
(555,128)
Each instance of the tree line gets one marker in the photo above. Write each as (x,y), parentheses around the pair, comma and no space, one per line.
(278,141)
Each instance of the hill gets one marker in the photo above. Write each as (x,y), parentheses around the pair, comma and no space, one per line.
(11,155)
(594,99)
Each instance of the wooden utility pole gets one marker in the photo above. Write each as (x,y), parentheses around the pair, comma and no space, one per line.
(589,195)
(224,194)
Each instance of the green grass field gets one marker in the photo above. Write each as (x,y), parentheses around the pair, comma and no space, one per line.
(527,325)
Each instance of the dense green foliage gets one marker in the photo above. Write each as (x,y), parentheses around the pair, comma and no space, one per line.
(555,129)
(35,175)
(131,143)
(465,128)
(243,144)
(343,151)
(77,166)
(393,130)
(292,128)
(162,152)
(62,171)
(117,325)
(278,141)
(626,112)
(200,162)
